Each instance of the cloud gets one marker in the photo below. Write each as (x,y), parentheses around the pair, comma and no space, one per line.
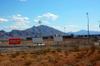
(13,27)
(67,28)
(95,27)
(22,0)
(3,20)
(19,18)
(72,28)
(50,16)
(46,17)
(21,22)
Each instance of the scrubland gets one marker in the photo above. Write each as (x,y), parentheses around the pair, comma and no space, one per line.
(51,57)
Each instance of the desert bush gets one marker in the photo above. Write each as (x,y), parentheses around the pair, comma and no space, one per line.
(44,51)
(52,60)
(95,39)
(14,55)
(28,63)
(58,49)
(53,51)
(66,53)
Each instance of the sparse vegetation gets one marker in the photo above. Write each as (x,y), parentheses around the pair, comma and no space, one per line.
(50,57)
(72,52)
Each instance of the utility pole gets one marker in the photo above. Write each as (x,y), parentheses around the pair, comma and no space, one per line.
(40,22)
(99,24)
(64,29)
(88,26)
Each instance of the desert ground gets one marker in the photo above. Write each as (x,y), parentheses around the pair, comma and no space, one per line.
(71,52)
(49,57)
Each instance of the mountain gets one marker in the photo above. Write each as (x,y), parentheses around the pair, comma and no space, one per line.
(41,30)
(84,32)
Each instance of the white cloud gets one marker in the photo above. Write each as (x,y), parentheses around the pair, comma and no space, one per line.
(94,27)
(50,16)
(20,18)
(22,0)
(46,17)
(21,22)
(13,27)
(67,28)
(72,28)
(3,20)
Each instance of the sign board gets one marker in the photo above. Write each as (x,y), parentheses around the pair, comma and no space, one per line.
(59,38)
(37,40)
(96,44)
(14,41)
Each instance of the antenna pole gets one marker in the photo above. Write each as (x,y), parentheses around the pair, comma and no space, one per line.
(39,22)
(99,24)
(88,26)
(64,29)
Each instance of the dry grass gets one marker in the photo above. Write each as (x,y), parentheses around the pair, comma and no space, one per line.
(50,57)
(78,56)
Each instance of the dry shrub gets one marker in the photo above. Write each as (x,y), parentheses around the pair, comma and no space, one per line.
(52,57)
(14,55)
(28,63)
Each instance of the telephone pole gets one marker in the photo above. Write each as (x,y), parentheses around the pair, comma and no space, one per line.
(40,22)
(99,24)
(88,26)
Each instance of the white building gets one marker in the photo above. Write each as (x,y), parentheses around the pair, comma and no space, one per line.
(38,41)
(58,38)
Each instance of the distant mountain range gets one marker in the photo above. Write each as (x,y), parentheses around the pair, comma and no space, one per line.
(41,30)
(84,32)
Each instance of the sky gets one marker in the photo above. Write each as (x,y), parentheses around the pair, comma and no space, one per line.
(64,15)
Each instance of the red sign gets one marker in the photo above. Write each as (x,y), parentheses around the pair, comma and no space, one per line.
(14,41)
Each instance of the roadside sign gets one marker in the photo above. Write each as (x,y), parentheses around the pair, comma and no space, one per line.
(58,39)
(37,40)
(14,41)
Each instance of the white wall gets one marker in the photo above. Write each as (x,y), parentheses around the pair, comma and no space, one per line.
(59,38)
(37,40)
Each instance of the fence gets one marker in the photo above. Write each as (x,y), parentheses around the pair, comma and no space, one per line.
(29,46)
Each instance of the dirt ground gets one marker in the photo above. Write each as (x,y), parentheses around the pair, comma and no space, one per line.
(49,57)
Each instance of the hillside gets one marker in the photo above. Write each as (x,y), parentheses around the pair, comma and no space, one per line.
(41,30)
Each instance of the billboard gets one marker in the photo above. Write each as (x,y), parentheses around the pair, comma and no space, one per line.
(37,40)
(60,38)
(14,41)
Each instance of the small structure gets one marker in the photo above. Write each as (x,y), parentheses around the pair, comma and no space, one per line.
(38,41)
(29,38)
(97,44)
(48,38)
(58,38)
(14,41)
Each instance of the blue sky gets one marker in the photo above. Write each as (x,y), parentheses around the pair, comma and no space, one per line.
(65,15)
